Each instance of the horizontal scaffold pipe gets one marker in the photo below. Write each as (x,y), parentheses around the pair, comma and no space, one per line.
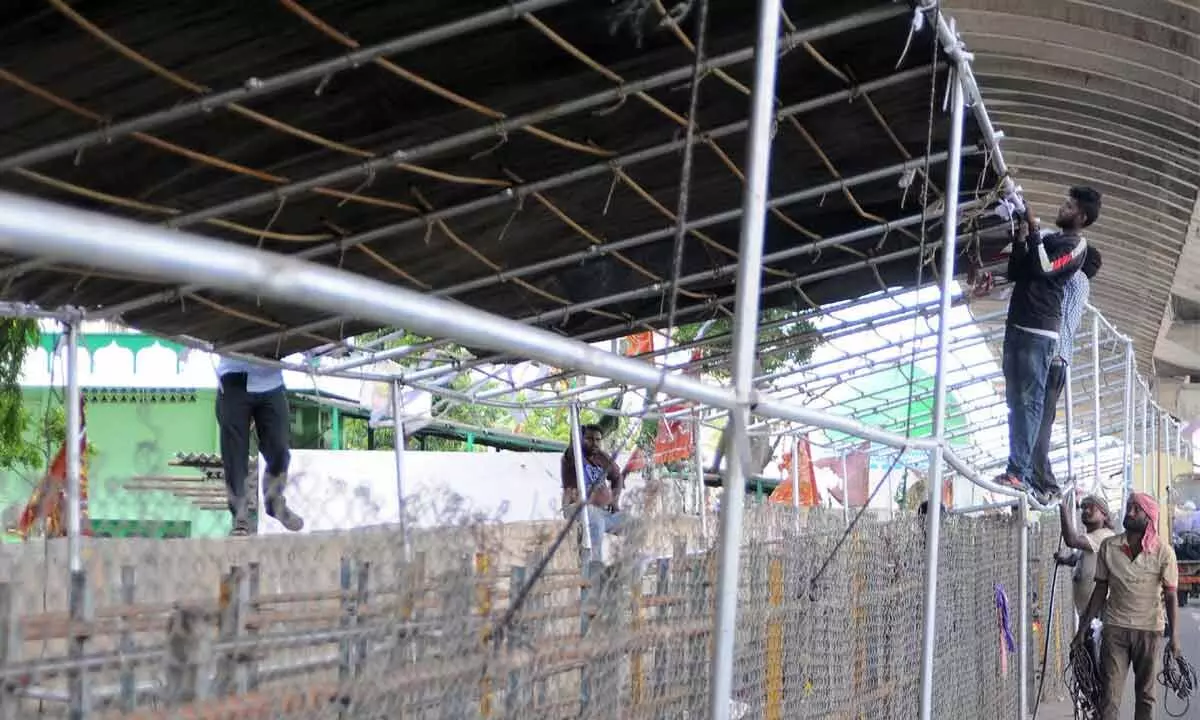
(31,227)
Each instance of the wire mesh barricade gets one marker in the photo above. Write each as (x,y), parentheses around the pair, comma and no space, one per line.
(329,625)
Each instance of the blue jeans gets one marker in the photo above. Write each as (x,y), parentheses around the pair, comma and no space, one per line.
(1026,363)
(600,522)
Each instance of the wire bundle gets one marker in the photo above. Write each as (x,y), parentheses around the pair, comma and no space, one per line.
(1178,677)
(1083,682)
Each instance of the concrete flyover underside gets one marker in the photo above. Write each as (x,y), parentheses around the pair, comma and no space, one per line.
(1107,93)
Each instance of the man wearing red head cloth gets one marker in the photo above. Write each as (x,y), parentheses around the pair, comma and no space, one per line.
(1136,576)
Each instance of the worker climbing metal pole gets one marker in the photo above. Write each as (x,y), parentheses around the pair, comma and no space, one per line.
(934,517)
(745,330)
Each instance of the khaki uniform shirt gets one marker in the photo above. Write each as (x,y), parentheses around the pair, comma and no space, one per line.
(1135,585)
(1085,569)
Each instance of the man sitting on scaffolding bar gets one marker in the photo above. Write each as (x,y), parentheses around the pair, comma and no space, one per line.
(1039,267)
(604,498)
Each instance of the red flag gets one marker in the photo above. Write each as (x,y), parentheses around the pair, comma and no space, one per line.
(809,497)
(636,462)
(674,441)
(855,472)
(49,498)
(639,344)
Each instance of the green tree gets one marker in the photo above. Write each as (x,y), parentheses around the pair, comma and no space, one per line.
(788,339)
(17,423)
(781,343)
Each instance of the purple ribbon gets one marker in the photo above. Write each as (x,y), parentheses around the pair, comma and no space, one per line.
(1005,625)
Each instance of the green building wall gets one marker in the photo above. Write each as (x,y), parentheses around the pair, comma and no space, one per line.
(135,433)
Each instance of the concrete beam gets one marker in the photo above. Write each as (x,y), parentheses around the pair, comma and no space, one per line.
(1177,350)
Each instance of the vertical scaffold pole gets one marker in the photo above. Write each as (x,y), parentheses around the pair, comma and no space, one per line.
(796,480)
(1153,419)
(933,517)
(701,490)
(1096,378)
(745,327)
(398,454)
(1127,435)
(1145,440)
(77,597)
(1070,411)
(1023,646)
(580,482)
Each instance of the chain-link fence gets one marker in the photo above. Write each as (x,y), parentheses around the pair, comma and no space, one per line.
(481,619)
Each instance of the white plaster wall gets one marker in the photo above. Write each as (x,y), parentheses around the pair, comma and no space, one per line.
(348,489)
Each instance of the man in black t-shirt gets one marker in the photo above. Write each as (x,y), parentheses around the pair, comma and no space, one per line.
(1039,268)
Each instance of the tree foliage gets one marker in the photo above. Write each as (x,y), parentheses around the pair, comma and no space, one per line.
(781,343)
(26,438)
(788,340)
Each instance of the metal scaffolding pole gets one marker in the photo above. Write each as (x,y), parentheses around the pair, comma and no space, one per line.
(1154,448)
(519,193)
(77,599)
(74,403)
(256,87)
(487,134)
(792,283)
(933,517)
(1127,413)
(1170,455)
(35,227)
(655,289)
(950,41)
(1145,440)
(398,450)
(581,485)
(796,480)
(848,328)
(845,491)
(1096,377)
(1070,396)
(745,326)
(701,488)
(1023,645)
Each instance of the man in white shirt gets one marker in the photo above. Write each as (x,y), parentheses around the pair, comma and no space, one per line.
(1097,527)
(246,392)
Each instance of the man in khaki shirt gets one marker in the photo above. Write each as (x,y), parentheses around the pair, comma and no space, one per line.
(1097,521)
(1136,577)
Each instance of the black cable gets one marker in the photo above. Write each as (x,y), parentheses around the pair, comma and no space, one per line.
(1082,678)
(1177,676)
(506,621)
(850,528)
(1037,701)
